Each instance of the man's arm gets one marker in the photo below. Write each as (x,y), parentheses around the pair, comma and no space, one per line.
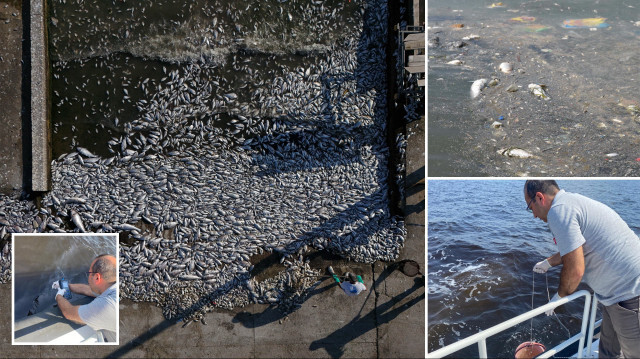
(68,310)
(83,289)
(572,272)
(555,260)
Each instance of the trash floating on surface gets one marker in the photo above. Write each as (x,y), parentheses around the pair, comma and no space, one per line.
(613,154)
(455,62)
(477,86)
(633,109)
(538,90)
(529,350)
(523,19)
(496,124)
(495,4)
(494,82)
(506,67)
(471,37)
(593,22)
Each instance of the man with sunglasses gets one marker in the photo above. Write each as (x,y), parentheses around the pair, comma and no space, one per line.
(100,314)
(597,247)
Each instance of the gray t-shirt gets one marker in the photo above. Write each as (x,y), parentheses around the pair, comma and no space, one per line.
(611,249)
(100,314)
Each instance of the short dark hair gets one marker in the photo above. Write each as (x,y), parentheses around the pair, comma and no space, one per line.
(545,186)
(352,278)
(105,267)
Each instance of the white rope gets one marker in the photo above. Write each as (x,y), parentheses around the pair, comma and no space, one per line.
(533,291)
(549,298)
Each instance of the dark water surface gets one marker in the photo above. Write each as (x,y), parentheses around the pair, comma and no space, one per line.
(482,246)
(586,129)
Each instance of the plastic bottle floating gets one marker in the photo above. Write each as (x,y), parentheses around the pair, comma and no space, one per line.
(593,22)
(529,350)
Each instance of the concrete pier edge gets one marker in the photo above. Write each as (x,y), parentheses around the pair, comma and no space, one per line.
(40,98)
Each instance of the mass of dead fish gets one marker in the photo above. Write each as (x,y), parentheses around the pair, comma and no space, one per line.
(208,175)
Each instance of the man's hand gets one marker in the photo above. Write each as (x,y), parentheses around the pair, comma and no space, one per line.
(60,292)
(542,267)
(554,299)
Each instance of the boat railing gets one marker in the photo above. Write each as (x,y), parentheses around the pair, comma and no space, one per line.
(481,337)
(592,326)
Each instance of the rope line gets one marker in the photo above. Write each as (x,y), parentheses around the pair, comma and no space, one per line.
(554,313)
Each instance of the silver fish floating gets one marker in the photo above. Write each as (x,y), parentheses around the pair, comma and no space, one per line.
(477,86)
(515,152)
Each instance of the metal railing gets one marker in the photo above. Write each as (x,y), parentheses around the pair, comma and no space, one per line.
(592,325)
(481,338)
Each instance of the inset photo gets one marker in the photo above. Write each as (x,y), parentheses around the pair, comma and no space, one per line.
(65,289)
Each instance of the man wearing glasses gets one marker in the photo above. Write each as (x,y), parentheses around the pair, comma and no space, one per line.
(595,246)
(100,314)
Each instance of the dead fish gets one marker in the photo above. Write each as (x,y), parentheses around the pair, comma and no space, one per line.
(85,152)
(477,86)
(126,227)
(515,152)
(75,217)
(506,67)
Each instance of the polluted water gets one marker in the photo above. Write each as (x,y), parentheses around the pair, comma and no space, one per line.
(481,258)
(562,74)
(208,133)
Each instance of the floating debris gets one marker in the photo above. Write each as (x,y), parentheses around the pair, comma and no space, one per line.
(588,23)
(523,19)
(539,90)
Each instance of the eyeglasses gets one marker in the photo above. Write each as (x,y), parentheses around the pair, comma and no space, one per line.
(87,273)
(529,205)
